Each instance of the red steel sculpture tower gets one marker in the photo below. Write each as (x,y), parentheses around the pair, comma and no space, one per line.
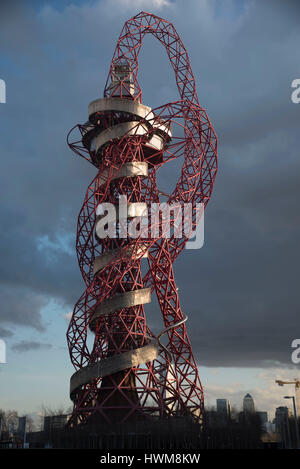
(123,371)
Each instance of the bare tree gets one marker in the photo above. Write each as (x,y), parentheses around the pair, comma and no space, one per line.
(30,424)
(46,411)
(9,420)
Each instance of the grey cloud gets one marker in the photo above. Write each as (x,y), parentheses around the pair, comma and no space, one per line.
(21,307)
(5,333)
(27,346)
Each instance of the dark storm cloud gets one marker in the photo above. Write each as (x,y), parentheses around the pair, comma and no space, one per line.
(5,333)
(240,291)
(246,275)
(27,346)
(21,307)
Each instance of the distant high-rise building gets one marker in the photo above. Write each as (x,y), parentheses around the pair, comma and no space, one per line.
(224,407)
(263,417)
(282,414)
(282,426)
(248,404)
(21,431)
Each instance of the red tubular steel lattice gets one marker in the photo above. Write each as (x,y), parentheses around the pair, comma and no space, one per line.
(127,373)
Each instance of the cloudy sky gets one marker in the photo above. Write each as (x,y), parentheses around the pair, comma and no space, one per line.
(241,290)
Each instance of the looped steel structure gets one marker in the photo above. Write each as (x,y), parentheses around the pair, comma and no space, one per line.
(125,372)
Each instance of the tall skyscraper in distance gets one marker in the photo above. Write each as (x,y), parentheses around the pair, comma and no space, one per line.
(282,427)
(248,404)
(282,413)
(224,407)
(263,416)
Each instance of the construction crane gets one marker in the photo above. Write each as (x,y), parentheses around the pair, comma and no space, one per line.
(296,382)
